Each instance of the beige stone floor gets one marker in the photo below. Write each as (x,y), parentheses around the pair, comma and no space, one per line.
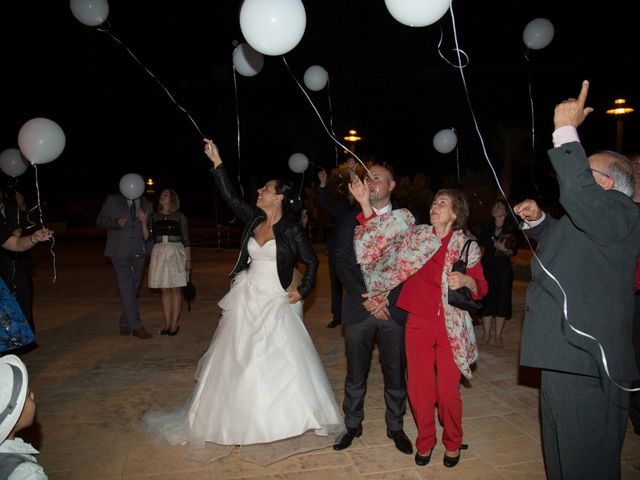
(93,386)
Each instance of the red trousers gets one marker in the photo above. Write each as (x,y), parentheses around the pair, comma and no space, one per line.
(433,378)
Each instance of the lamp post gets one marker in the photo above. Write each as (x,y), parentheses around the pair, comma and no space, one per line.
(149,188)
(352,138)
(619,110)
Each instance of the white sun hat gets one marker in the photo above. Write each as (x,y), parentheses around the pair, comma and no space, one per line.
(14,382)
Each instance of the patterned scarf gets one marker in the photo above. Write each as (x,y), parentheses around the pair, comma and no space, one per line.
(390,248)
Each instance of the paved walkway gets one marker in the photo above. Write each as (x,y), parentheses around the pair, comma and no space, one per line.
(92,386)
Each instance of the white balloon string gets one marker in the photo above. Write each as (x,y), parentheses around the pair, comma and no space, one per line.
(235,88)
(155,78)
(458,163)
(333,133)
(301,184)
(533,136)
(549,274)
(322,121)
(458,51)
(39,205)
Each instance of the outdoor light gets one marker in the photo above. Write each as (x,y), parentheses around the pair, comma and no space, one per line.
(353,136)
(619,107)
(619,110)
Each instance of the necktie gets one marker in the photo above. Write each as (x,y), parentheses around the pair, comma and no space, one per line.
(132,208)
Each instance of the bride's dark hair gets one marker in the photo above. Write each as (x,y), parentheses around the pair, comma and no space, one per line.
(290,202)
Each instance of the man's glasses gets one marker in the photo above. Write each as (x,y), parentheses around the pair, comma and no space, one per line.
(601,173)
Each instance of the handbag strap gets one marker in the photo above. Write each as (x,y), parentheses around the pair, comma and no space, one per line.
(465,251)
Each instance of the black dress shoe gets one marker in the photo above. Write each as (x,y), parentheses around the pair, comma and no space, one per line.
(453,461)
(401,440)
(347,438)
(423,460)
(334,323)
(173,333)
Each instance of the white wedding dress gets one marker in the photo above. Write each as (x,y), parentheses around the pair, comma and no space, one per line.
(261,385)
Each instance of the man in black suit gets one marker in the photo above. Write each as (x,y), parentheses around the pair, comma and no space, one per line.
(340,210)
(363,323)
(591,251)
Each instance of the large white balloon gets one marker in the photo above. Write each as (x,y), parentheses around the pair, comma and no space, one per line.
(90,12)
(273,27)
(41,140)
(417,13)
(445,140)
(247,61)
(12,162)
(298,162)
(538,33)
(132,186)
(316,78)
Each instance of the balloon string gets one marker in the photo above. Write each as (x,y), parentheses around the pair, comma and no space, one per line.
(458,51)
(565,312)
(235,89)
(301,184)
(322,121)
(39,205)
(458,163)
(533,134)
(333,133)
(154,77)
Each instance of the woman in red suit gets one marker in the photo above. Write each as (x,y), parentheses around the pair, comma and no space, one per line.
(439,338)
(433,375)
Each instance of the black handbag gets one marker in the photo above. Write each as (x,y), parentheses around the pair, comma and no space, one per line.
(461,298)
(189,292)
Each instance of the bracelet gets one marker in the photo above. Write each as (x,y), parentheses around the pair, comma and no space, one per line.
(31,240)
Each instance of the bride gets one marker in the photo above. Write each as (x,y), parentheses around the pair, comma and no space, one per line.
(261,385)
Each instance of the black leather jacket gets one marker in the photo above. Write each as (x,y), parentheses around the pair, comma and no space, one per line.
(291,242)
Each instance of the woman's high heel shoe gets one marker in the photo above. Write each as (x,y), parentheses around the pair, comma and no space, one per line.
(453,461)
(173,333)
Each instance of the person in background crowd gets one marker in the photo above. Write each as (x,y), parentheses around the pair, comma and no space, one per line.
(339,210)
(500,242)
(170,263)
(123,219)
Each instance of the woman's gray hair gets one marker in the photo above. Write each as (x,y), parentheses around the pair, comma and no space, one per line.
(621,171)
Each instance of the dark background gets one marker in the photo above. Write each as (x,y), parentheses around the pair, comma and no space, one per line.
(386,80)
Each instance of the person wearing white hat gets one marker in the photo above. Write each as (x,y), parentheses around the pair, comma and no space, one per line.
(17,411)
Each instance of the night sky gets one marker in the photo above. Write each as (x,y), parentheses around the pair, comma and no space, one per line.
(386,80)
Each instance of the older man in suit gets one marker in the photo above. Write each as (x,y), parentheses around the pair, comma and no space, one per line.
(591,251)
(128,250)
(364,323)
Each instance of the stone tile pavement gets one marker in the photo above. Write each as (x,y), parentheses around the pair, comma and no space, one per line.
(92,386)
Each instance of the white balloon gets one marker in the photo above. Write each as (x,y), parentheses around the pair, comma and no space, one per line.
(316,78)
(417,13)
(41,140)
(247,61)
(90,12)
(445,140)
(273,27)
(12,162)
(132,186)
(298,162)
(538,33)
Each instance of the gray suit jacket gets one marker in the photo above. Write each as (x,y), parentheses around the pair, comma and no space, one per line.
(127,241)
(592,252)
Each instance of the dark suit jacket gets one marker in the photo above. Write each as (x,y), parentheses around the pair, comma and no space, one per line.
(340,210)
(128,240)
(592,252)
(350,275)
